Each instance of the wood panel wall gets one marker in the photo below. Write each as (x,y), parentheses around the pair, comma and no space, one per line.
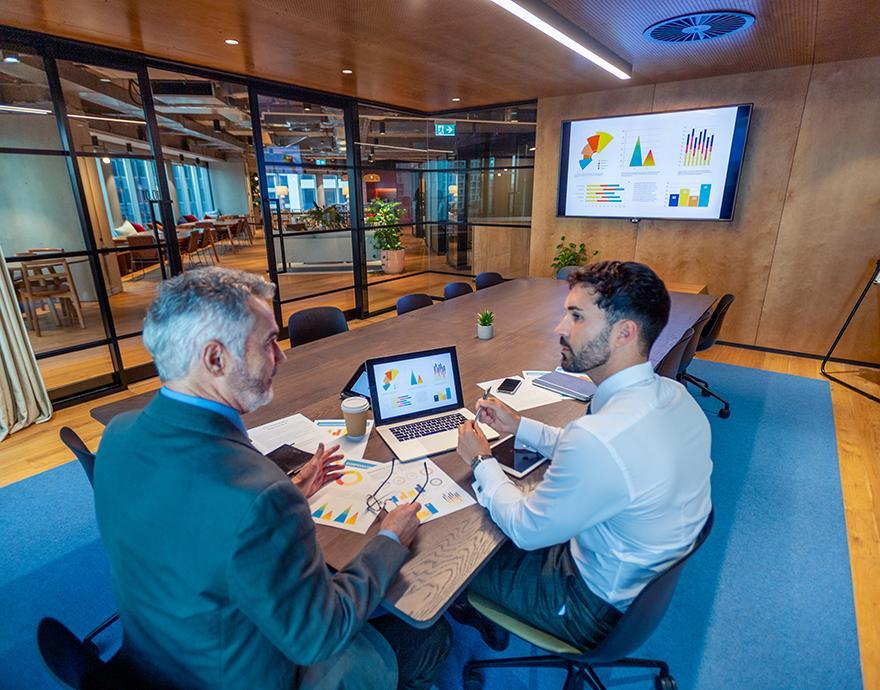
(807,221)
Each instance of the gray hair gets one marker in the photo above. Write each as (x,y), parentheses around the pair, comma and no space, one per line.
(199,306)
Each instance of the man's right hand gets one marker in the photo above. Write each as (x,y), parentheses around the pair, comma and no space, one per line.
(500,416)
(403,522)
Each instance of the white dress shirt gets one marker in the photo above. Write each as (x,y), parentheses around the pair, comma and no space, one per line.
(628,484)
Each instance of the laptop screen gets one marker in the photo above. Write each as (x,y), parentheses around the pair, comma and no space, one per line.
(418,384)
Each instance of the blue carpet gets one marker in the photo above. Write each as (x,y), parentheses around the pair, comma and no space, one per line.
(767,603)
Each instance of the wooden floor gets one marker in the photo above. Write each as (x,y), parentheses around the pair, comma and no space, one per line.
(857,422)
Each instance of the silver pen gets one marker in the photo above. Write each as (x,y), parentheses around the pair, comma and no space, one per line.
(486,394)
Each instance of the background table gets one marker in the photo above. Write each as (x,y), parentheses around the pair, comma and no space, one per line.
(447,553)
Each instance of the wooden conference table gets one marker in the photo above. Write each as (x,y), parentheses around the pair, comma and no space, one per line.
(446,553)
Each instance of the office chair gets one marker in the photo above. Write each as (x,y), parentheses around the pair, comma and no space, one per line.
(706,340)
(713,328)
(453,290)
(87,459)
(668,366)
(632,630)
(488,279)
(315,323)
(76,664)
(565,271)
(409,303)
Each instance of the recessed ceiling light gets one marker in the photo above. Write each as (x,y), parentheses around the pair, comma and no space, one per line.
(563,37)
(456,99)
(231,42)
(105,80)
(105,160)
(531,148)
(347,71)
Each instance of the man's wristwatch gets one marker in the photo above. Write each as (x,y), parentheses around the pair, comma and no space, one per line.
(477,460)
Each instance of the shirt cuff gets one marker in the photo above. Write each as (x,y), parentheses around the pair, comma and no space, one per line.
(388,533)
(490,477)
(529,433)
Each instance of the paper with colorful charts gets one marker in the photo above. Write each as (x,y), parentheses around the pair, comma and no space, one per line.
(343,503)
(441,497)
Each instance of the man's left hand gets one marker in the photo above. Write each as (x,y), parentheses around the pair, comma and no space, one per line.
(472,442)
(320,470)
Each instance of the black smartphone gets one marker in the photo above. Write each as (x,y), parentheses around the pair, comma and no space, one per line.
(509,386)
(289,459)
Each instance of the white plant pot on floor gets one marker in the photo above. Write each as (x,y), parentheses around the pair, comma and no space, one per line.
(484,332)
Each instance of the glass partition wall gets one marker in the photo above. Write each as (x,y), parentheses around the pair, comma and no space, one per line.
(120,172)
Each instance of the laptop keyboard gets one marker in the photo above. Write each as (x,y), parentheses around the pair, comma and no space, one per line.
(427,427)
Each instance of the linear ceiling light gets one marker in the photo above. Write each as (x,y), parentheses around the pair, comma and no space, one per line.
(519,9)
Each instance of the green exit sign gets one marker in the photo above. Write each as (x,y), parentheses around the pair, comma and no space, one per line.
(444,129)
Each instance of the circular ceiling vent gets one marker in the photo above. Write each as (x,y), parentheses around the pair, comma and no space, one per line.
(700,26)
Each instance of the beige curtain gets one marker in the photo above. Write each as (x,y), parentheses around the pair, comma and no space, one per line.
(23,396)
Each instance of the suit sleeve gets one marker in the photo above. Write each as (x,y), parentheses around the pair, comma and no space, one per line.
(278,578)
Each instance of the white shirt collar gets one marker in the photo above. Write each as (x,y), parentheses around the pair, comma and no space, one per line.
(622,379)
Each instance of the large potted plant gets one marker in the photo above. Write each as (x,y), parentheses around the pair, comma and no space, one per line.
(385,217)
(571,254)
(324,217)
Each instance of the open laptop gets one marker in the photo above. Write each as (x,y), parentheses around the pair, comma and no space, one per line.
(417,402)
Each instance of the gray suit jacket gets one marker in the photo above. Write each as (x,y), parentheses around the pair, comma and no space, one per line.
(219,580)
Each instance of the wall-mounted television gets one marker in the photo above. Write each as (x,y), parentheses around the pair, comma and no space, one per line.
(681,165)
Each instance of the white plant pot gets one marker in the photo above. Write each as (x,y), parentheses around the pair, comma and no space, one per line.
(484,332)
(393,260)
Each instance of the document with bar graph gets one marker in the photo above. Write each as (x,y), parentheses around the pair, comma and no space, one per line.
(343,502)
(442,496)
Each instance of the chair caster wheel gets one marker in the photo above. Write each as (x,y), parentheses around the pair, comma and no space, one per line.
(664,683)
(472,679)
(724,413)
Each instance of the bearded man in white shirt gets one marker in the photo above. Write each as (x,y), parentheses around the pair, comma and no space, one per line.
(627,490)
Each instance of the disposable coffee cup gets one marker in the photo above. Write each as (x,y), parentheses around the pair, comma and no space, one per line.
(354,411)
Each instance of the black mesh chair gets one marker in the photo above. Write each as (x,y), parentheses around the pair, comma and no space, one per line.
(80,450)
(668,366)
(315,323)
(488,279)
(632,630)
(76,664)
(565,271)
(409,303)
(87,460)
(713,328)
(453,290)
(706,340)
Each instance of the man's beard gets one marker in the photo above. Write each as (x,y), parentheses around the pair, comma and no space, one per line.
(593,354)
(253,391)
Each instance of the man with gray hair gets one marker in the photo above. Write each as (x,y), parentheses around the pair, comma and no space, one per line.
(215,566)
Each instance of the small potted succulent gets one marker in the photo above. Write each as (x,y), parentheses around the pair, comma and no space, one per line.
(485,321)
(385,217)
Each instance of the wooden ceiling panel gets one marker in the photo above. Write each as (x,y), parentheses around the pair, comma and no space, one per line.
(422,53)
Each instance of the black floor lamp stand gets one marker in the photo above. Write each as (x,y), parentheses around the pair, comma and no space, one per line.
(873,280)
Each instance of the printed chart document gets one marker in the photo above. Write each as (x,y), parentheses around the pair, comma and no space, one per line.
(442,496)
(343,502)
(336,432)
(527,395)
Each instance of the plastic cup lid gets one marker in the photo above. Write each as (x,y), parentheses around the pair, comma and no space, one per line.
(355,404)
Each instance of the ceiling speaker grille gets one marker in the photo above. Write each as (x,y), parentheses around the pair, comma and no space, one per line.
(699,26)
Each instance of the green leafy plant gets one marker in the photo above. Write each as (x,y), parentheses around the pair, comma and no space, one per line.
(485,318)
(571,254)
(385,216)
(328,217)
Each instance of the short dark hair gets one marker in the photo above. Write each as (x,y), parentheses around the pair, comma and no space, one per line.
(627,290)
